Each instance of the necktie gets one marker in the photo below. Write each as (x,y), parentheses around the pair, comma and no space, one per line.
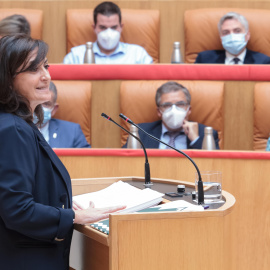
(173,136)
(236,60)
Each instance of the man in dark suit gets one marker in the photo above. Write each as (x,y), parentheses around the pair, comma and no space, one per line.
(173,107)
(234,35)
(60,133)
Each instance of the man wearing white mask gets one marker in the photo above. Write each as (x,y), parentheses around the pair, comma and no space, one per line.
(234,34)
(59,133)
(108,49)
(173,107)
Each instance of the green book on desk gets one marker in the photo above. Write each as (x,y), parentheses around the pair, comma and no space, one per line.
(102,226)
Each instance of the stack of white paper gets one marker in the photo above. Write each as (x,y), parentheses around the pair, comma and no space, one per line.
(177,206)
(121,193)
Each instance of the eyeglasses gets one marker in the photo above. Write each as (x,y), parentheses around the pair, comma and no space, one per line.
(167,105)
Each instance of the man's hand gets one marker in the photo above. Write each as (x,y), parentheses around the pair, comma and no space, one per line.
(191,130)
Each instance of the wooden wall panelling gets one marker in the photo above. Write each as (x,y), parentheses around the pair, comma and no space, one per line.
(238,115)
(105,99)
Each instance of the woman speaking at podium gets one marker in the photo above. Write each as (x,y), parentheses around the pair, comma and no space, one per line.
(36,215)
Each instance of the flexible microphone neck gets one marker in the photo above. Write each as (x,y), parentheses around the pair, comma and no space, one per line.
(147,166)
(200,182)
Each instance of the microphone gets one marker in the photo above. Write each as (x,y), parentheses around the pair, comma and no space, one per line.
(200,182)
(147,166)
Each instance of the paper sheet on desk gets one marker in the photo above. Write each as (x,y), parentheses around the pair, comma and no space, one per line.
(121,193)
(175,206)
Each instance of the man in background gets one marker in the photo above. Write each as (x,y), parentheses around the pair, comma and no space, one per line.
(234,34)
(108,49)
(60,133)
(14,24)
(173,107)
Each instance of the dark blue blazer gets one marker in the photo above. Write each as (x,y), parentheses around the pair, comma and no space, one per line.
(218,57)
(64,134)
(155,129)
(36,219)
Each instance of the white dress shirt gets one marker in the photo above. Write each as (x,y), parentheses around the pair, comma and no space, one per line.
(124,54)
(180,141)
(229,58)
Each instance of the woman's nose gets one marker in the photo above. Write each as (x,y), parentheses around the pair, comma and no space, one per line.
(45,75)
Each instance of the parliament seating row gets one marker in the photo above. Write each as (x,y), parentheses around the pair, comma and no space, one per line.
(197,39)
(137,102)
(142,27)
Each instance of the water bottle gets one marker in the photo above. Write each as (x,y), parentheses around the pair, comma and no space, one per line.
(176,54)
(268,144)
(89,57)
(132,142)
(208,140)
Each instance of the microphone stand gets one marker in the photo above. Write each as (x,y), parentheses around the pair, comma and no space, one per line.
(147,176)
(200,182)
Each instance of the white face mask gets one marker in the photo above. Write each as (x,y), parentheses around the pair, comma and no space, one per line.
(108,39)
(234,43)
(174,117)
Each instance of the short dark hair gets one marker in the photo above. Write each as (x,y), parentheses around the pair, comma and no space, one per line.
(14,59)
(107,9)
(53,89)
(169,87)
(14,24)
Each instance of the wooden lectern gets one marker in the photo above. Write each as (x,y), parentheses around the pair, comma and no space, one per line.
(152,241)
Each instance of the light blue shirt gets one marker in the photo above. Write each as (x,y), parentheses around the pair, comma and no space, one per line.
(180,141)
(124,54)
(45,131)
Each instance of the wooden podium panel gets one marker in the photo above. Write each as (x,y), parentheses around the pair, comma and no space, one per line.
(172,240)
(167,241)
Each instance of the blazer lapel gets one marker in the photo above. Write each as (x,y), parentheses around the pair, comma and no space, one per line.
(54,159)
(157,133)
(249,58)
(53,134)
(221,57)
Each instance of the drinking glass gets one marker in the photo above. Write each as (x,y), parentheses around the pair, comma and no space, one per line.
(212,186)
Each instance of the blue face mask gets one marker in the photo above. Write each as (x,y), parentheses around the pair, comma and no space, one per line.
(47,116)
(234,43)
(35,119)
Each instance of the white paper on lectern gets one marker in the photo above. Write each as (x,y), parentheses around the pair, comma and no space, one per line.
(121,193)
(181,205)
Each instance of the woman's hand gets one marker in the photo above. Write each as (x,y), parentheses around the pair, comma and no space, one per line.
(92,214)
(77,206)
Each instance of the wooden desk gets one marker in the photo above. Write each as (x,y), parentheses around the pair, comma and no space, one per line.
(154,240)
(245,175)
